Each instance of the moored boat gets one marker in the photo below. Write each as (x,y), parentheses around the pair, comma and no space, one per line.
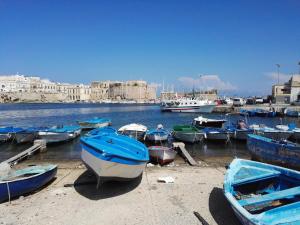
(134,130)
(217,134)
(263,194)
(291,113)
(24,181)
(28,134)
(188,105)
(162,154)
(59,134)
(158,134)
(201,122)
(270,132)
(273,151)
(94,123)
(114,156)
(7,133)
(187,133)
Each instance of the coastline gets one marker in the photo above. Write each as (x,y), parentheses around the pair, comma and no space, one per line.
(140,201)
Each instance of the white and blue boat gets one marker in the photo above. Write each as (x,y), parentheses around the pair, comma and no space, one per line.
(114,156)
(59,134)
(7,133)
(94,123)
(23,181)
(134,130)
(217,134)
(158,134)
(263,194)
(281,152)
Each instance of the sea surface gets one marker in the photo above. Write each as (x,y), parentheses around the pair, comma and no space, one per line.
(36,114)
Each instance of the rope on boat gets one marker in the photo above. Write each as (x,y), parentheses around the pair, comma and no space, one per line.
(8,191)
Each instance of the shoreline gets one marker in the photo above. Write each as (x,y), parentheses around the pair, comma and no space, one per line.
(72,198)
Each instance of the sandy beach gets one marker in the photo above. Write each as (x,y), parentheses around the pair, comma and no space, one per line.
(72,198)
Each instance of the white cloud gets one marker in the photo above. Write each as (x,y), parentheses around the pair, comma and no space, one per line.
(207,82)
(273,76)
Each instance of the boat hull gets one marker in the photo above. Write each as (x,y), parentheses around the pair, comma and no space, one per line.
(156,137)
(108,169)
(276,135)
(25,185)
(188,137)
(216,124)
(241,135)
(162,155)
(24,137)
(56,137)
(266,150)
(216,136)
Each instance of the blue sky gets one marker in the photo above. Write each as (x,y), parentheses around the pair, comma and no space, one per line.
(234,45)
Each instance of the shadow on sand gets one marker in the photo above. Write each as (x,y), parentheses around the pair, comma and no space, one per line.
(220,208)
(86,183)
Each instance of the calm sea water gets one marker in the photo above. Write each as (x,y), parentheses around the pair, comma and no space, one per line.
(24,115)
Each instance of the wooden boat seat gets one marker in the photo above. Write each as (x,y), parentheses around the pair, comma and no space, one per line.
(288,193)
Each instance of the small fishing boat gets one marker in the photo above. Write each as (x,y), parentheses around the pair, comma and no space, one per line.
(7,133)
(187,133)
(217,134)
(134,130)
(59,134)
(28,134)
(23,181)
(291,113)
(101,130)
(282,152)
(158,134)
(161,154)
(114,156)
(94,123)
(270,132)
(263,194)
(201,122)
(264,113)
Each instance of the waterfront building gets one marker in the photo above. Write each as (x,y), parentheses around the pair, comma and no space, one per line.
(79,93)
(287,92)
(99,90)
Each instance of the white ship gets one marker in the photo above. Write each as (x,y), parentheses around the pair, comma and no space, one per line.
(188,105)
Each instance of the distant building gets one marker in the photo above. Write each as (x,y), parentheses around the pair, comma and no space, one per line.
(79,93)
(287,92)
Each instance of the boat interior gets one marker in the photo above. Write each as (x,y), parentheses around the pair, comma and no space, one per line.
(260,194)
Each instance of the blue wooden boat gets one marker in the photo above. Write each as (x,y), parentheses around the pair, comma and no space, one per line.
(278,152)
(101,130)
(94,123)
(263,194)
(114,156)
(158,134)
(217,134)
(7,133)
(59,134)
(24,181)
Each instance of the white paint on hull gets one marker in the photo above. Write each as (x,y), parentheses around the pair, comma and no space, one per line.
(107,169)
(199,109)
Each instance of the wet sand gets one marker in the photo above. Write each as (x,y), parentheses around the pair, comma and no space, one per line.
(72,198)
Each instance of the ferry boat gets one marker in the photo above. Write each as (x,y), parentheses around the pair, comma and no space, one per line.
(188,105)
